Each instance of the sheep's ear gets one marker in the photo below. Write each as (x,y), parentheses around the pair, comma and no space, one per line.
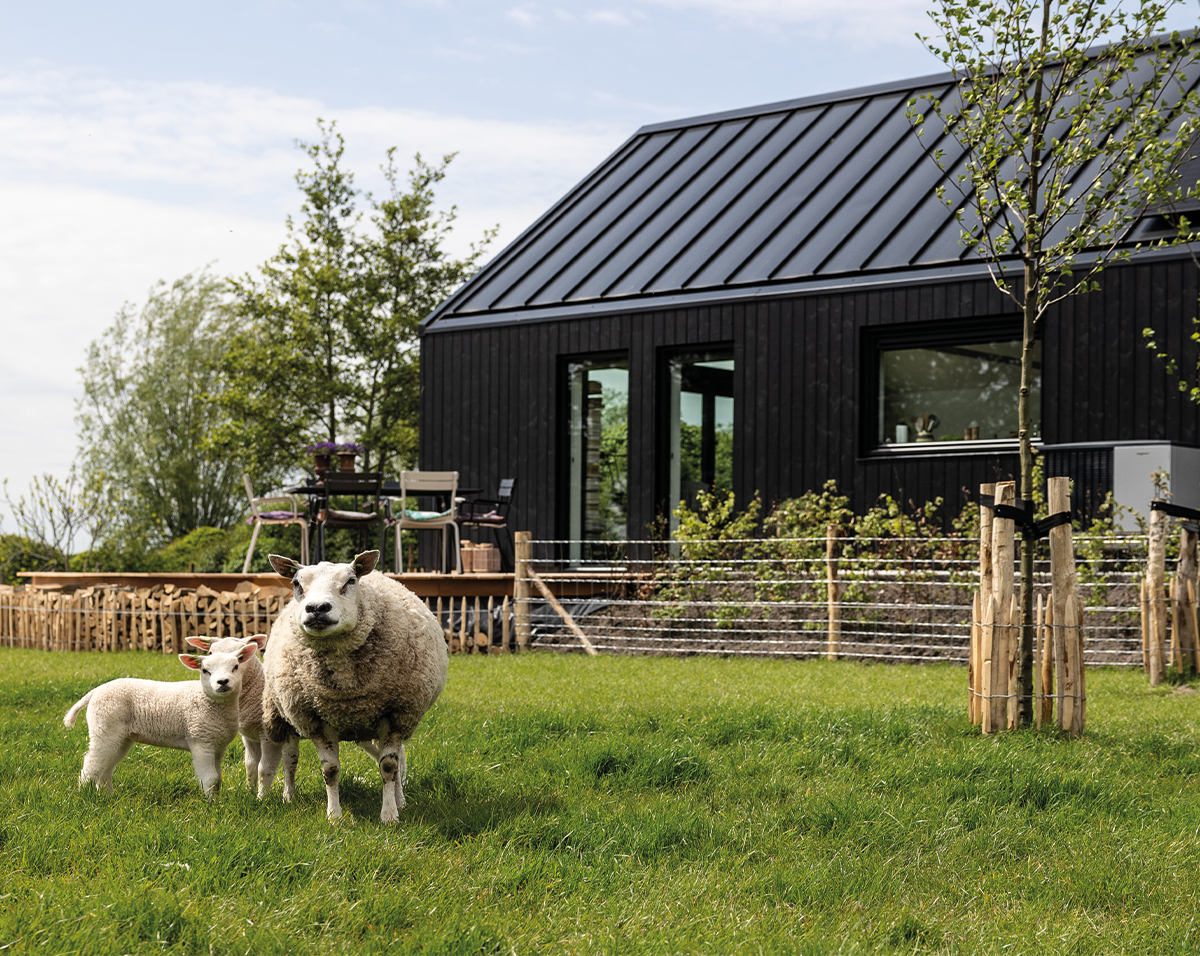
(365,563)
(204,643)
(248,652)
(285,566)
(259,639)
(192,661)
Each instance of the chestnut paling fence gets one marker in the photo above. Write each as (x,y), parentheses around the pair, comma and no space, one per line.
(857,598)
(883,599)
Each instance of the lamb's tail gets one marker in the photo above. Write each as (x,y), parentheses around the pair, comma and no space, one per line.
(69,720)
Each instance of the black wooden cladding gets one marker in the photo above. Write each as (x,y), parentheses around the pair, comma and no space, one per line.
(492,402)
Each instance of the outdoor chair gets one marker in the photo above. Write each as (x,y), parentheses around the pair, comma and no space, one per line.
(350,483)
(415,484)
(490,513)
(259,518)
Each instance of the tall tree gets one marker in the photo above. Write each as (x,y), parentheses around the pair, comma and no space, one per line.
(1054,149)
(327,346)
(145,413)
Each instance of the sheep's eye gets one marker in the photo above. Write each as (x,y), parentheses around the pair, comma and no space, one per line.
(203,670)
(346,586)
(299,590)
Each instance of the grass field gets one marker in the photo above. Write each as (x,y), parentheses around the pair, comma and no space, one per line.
(623,805)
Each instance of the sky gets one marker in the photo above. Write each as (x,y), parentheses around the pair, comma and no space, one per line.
(142,141)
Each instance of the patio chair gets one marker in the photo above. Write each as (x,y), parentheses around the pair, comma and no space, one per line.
(259,518)
(350,483)
(414,484)
(490,513)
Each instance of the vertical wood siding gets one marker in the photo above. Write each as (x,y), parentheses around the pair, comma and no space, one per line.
(491,402)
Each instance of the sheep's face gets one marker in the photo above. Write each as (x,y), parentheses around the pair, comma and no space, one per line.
(221,673)
(326,595)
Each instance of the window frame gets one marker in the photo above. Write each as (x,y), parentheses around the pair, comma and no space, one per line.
(878,339)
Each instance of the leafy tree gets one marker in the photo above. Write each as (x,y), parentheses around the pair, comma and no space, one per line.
(1053,150)
(327,349)
(51,520)
(145,413)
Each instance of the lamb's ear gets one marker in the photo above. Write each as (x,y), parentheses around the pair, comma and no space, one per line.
(192,661)
(260,640)
(285,566)
(365,563)
(247,652)
(204,643)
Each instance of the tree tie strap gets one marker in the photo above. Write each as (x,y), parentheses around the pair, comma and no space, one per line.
(1021,514)
(1175,511)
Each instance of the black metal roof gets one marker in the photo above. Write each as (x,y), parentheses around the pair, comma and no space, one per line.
(822,191)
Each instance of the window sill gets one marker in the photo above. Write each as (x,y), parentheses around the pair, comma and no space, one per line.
(925,449)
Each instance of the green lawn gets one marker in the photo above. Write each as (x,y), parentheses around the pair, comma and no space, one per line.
(623,805)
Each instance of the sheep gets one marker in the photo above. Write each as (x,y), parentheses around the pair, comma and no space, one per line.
(250,718)
(355,656)
(201,718)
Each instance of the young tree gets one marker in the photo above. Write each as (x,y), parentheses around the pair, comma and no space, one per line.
(1053,149)
(145,413)
(327,346)
(51,520)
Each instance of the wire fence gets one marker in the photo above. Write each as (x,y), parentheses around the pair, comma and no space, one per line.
(878,599)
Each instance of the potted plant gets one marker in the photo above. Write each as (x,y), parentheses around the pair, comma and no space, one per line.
(321,452)
(347,452)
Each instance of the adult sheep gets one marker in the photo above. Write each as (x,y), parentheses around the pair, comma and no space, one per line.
(355,656)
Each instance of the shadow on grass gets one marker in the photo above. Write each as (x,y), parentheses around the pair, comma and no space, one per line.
(456,805)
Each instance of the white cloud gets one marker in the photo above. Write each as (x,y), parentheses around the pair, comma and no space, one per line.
(863,22)
(108,187)
(607,17)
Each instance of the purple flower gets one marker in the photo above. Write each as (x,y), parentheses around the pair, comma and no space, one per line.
(323,448)
(350,447)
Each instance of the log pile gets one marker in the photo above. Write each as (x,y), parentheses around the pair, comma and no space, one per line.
(111,618)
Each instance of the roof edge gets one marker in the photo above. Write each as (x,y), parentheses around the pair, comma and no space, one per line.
(819,99)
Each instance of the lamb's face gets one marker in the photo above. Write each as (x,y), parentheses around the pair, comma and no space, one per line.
(221,673)
(325,594)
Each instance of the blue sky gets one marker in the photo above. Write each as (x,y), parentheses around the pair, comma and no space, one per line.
(141,141)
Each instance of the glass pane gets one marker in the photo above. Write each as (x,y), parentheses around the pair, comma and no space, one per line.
(954,392)
(599,429)
(700,428)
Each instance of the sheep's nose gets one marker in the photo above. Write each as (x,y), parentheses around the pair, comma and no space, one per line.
(319,608)
(223,682)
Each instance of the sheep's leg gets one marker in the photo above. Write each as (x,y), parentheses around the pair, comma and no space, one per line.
(207,764)
(327,751)
(101,759)
(253,758)
(291,758)
(392,767)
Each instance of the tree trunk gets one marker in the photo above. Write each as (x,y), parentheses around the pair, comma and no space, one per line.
(1024,429)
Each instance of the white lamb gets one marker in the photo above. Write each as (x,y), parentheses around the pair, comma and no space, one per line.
(198,717)
(260,752)
(355,656)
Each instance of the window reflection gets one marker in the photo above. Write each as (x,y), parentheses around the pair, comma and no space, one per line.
(954,392)
(599,430)
(700,425)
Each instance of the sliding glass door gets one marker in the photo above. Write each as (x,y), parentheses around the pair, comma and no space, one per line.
(698,426)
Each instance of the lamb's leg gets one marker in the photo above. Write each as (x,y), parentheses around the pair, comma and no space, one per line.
(327,751)
(100,760)
(392,767)
(207,764)
(253,758)
(268,766)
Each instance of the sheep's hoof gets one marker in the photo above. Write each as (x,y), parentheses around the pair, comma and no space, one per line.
(392,817)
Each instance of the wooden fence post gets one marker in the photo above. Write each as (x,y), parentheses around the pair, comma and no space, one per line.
(834,592)
(1067,614)
(523,545)
(1004,643)
(1155,582)
(1183,636)
(975,666)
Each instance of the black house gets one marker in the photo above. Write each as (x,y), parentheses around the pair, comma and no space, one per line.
(768,298)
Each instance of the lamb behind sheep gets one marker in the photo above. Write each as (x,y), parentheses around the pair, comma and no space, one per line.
(199,717)
(355,656)
(261,754)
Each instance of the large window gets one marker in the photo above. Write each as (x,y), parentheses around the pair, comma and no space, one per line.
(699,412)
(953,392)
(598,437)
